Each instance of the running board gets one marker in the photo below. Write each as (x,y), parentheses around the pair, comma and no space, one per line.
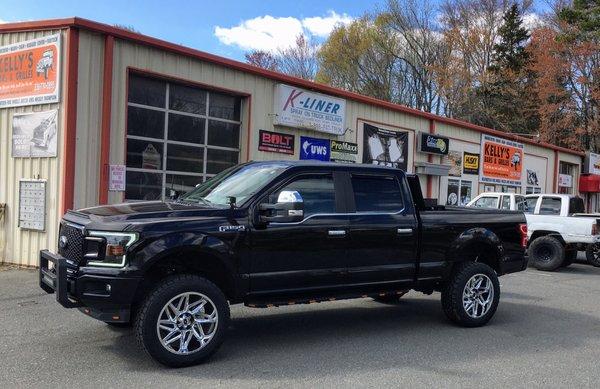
(276,303)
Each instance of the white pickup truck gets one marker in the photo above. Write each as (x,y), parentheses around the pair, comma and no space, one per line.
(557,227)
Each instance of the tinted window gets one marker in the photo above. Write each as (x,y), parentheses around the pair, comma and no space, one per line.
(576,205)
(530,203)
(186,128)
(550,206)
(224,106)
(505,202)
(318,193)
(145,122)
(186,99)
(376,194)
(146,91)
(486,202)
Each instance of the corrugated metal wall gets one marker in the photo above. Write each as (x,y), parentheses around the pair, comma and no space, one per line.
(16,245)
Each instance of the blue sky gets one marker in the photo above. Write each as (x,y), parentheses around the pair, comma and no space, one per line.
(223,27)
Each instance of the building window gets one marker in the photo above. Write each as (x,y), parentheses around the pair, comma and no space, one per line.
(566,174)
(533,190)
(459,192)
(177,136)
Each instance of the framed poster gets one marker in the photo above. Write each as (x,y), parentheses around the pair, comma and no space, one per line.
(385,147)
(30,72)
(502,161)
(454,160)
(32,205)
(34,134)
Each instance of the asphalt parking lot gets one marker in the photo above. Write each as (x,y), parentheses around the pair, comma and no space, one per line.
(545,333)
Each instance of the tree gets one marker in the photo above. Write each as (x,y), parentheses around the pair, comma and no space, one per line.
(262,59)
(300,59)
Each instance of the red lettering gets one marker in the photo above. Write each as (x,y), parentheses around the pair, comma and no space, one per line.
(290,100)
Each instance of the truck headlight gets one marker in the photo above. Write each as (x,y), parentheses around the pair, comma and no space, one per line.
(111,248)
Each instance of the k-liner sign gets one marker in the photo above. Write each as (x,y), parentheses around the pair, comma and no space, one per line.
(30,72)
(300,108)
(502,160)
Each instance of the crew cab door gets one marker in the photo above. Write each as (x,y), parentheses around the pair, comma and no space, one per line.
(304,255)
(382,232)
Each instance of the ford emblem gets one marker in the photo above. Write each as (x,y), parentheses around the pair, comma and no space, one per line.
(63,242)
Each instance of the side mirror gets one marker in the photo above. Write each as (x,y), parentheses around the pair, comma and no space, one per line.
(288,209)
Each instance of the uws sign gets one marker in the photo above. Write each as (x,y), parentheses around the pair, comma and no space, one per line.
(295,107)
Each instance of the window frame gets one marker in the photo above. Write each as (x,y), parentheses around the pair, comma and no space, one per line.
(165,141)
(352,206)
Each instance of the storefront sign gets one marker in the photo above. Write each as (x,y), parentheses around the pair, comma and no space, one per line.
(314,148)
(346,152)
(385,147)
(454,160)
(116,181)
(470,163)
(32,205)
(565,180)
(34,134)
(592,163)
(30,72)
(276,142)
(297,107)
(502,160)
(433,144)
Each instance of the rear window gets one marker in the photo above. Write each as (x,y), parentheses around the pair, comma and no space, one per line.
(505,202)
(550,206)
(377,194)
(576,205)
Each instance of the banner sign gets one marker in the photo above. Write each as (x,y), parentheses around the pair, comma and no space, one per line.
(433,144)
(502,160)
(385,147)
(346,152)
(297,107)
(470,163)
(34,134)
(30,72)
(276,142)
(314,148)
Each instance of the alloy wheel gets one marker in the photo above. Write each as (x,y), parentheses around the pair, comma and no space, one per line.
(478,296)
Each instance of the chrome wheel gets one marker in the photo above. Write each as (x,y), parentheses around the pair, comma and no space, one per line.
(478,296)
(187,323)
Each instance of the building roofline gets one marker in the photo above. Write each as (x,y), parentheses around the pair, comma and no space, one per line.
(77,22)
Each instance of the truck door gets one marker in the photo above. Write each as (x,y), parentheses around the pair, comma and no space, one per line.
(382,232)
(288,257)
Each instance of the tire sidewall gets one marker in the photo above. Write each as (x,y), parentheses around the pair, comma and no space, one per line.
(158,299)
(552,244)
(590,254)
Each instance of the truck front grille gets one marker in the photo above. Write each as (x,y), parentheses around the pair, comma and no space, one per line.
(72,235)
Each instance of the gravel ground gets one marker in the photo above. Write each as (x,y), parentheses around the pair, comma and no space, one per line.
(545,333)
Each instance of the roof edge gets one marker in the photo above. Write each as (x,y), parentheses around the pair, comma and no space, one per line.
(241,66)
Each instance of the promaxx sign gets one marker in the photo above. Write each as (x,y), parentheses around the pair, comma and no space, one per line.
(300,108)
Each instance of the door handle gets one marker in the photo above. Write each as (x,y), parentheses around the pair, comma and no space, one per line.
(336,233)
(405,231)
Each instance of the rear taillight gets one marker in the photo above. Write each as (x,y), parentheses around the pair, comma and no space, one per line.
(523,232)
(594,229)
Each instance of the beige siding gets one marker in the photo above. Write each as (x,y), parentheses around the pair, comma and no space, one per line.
(16,245)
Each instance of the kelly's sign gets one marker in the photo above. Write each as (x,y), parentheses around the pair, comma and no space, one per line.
(295,107)
(30,72)
(502,160)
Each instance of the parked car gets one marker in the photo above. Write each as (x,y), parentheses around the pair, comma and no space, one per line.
(276,233)
(558,228)
(497,200)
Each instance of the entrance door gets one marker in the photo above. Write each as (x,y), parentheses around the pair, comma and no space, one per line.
(288,257)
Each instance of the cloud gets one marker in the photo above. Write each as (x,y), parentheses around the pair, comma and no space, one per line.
(532,21)
(270,33)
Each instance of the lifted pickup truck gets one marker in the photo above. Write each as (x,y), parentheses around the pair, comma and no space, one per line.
(275,233)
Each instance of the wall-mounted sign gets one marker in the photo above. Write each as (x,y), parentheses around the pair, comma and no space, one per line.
(470,163)
(385,147)
(30,72)
(346,152)
(34,134)
(314,148)
(532,178)
(276,142)
(433,144)
(300,108)
(565,180)
(32,204)
(502,160)
(592,163)
(116,178)
(454,160)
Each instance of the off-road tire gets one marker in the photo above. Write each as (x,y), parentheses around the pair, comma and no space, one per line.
(570,257)
(592,254)
(452,294)
(390,298)
(146,320)
(546,253)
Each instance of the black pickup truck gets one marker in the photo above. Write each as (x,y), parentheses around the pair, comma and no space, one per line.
(276,233)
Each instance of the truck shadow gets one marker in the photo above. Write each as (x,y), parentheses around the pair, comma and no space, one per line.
(339,338)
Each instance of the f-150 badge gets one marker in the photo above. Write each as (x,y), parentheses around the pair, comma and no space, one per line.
(232,228)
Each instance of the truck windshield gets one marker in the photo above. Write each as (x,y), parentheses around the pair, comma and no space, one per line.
(240,182)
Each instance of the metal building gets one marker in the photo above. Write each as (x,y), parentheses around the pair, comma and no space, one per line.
(93,114)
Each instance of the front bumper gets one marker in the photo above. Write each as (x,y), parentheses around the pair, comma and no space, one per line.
(97,293)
